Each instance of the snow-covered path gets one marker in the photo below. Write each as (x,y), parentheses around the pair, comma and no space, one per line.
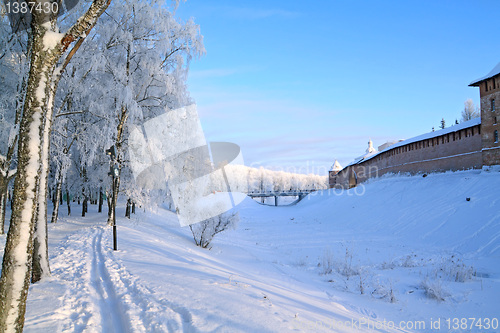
(96,292)
(113,316)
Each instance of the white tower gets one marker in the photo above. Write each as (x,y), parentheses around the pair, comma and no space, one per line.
(370,148)
(336,167)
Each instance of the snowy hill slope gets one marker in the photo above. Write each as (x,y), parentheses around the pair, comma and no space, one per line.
(433,211)
(397,254)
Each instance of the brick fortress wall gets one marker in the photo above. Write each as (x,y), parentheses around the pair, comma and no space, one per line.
(457,150)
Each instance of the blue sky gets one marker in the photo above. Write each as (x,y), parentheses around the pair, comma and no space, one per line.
(298,84)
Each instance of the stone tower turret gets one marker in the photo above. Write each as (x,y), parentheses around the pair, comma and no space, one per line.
(489,91)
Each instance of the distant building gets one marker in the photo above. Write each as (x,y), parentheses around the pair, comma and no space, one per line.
(336,167)
(334,170)
(469,145)
(489,90)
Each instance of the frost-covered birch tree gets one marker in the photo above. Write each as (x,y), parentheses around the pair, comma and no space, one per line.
(470,111)
(48,48)
(132,68)
(13,75)
(61,143)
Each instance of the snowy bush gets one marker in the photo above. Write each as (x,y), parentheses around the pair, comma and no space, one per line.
(347,269)
(344,268)
(327,262)
(410,261)
(382,291)
(463,273)
(434,289)
(387,265)
(407,261)
(204,232)
(454,269)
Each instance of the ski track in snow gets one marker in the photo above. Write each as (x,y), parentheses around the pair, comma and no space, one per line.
(113,318)
(102,296)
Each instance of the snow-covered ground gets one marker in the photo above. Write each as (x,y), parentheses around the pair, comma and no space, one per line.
(408,252)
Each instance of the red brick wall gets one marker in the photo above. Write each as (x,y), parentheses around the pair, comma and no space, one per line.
(454,151)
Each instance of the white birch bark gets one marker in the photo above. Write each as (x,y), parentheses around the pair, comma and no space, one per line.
(55,212)
(16,266)
(40,265)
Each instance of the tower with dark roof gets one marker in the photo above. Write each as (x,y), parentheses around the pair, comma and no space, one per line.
(489,91)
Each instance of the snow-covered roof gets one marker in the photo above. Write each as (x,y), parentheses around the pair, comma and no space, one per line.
(336,166)
(493,72)
(430,135)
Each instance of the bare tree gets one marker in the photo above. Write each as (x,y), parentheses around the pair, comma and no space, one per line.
(470,111)
(205,231)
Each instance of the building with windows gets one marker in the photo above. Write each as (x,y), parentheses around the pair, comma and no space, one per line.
(469,145)
(489,90)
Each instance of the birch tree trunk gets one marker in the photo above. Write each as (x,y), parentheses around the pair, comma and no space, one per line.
(100,201)
(3,204)
(16,267)
(127,209)
(118,143)
(114,198)
(122,119)
(68,202)
(55,212)
(17,260)
(40,265)
(84,205)
(4,194)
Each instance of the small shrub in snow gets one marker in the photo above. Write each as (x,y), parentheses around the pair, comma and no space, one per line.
(346,268)
(205,231)
(454,269)
(327,262)
(382,291)
(459,271)
(387,265)
(392,297)
(434,289)
(463,273)
(407,261)
(410,261)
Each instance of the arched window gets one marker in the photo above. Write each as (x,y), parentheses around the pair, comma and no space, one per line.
(492,105)
(496,136)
